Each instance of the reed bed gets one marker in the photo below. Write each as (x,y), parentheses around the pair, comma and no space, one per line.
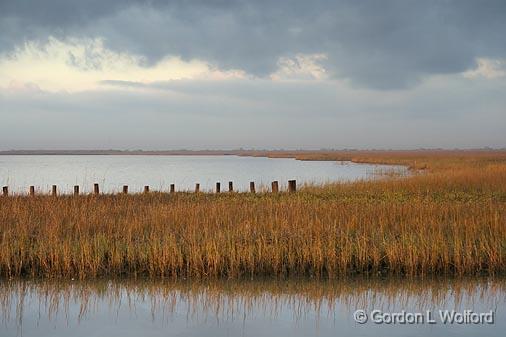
(414,159)
(450,220)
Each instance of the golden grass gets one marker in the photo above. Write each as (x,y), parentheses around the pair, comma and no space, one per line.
(450,220)
(414,159)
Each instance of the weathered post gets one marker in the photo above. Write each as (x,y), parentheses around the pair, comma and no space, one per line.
(218,187)
(275,186)
(230,186)
(53,191)
(172,188)
(5,191)
(125,189)
(32,191)
(146,189)
(96,189)
(197,188)
(252,187)
(76,190)
(292,185)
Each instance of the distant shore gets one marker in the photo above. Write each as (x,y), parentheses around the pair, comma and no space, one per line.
(239,152)
(418,159)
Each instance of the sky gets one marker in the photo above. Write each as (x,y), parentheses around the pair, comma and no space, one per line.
(220,74)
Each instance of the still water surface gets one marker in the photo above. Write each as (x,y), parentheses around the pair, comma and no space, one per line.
(112,172)
(247,308)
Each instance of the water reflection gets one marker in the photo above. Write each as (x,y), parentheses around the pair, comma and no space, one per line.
(252,308)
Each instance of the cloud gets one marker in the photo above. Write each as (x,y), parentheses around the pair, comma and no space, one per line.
(81,64)
(378,44)
(268,74)
(443,111)
(488,68)
(300,67)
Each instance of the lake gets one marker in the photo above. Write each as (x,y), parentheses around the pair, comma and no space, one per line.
(113,171)
(247,308)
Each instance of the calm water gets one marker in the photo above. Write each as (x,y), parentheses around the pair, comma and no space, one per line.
(112,172)
(251,308)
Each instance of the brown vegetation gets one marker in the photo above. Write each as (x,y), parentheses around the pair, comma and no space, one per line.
(449,220)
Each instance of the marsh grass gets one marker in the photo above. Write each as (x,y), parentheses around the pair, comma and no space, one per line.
(449,220)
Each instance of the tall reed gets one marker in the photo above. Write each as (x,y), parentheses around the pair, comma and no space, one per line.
(450,221)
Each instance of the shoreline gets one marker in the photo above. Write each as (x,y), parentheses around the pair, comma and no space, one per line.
(416,160)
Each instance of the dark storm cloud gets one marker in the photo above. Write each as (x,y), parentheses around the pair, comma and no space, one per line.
(380,44)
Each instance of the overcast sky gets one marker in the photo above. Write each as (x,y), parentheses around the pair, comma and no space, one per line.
(97,74)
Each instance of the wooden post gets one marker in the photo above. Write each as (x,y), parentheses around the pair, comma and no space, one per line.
(218,187)
(252,187)
(197,188)
(125,189)
(76,190)
(32,191)
(230,186)
(292,185)
(96,189)
(275,186)
(5,191)
(172,188)
(53,191)
(146,189)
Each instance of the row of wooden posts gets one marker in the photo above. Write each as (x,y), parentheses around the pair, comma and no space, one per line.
(292,187)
